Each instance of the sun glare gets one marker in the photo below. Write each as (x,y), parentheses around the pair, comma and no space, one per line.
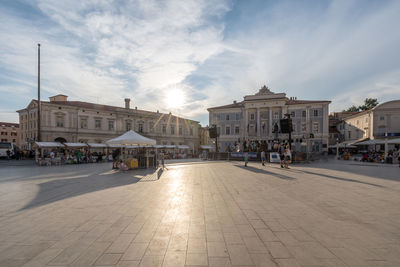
(175,98)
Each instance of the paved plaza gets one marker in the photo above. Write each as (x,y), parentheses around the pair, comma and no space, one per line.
(201,214)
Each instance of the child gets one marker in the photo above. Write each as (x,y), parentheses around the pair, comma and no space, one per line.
(246,158)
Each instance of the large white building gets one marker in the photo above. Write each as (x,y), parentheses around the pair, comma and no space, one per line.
(76,121)
(253,119)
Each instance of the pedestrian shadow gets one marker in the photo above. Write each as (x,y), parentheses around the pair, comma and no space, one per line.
(257,170)
(341,178)
(60,189)
(151,175)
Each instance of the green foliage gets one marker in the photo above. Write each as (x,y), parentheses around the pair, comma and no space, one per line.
(368,104)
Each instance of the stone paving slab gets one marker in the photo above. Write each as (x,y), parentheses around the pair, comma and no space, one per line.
(201,214)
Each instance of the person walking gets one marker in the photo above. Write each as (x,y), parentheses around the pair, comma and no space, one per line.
(288,157)
(246,158)
(8,154)
(263,157)
(281,150)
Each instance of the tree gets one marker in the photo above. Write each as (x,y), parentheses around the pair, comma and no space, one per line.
(368,104)
(352,109)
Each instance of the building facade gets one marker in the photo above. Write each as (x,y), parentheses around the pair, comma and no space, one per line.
(376,123)
(9,133)
(76,121)
(254,119)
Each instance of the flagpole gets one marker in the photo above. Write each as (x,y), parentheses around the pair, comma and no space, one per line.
(38,113)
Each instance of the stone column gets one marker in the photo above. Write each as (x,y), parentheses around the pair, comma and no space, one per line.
(246,122)
(258,123)
(270,122)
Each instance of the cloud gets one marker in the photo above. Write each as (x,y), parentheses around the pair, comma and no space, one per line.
(214,52)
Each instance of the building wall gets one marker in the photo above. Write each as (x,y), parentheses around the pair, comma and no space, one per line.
(77,124)
(257,119)
(9,132)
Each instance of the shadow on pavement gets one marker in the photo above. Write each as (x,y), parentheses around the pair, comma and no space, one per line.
(340,178)
(59,189)
(256,170)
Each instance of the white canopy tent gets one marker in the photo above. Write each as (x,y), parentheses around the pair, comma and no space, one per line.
(95,145)
(131,138)
(75,145)
(206,147)
(48,144)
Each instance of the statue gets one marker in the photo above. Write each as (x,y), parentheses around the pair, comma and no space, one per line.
(264,91)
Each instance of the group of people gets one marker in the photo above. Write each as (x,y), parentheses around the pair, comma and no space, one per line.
(285,155)
(74,156)
(18,154)
(379,157)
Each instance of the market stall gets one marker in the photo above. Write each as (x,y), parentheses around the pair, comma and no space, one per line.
(48,153)
(134,146)
(97,152)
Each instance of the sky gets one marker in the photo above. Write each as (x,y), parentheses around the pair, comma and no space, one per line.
(186,56)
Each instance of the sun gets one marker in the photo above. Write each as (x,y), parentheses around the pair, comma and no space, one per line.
(175,99)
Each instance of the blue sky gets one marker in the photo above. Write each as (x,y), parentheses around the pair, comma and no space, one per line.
(186,56)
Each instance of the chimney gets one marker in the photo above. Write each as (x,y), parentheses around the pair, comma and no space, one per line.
(127,103)
(234,102)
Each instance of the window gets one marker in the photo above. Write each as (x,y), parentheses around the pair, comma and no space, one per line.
(315,112)
(172,129)
(111,125)
(191,131)
(140,128)
(3,133)
(237,116)
(227,117)
(151,126)
(276,115)
(218,116)
(13,134)
(366,119)
(97,124)
(59,121)
(292,114)
(128,126)
(180,130)
(83,123)
(315,127)
(294,129)
(349,135)
(382,118)
(218,130)
(164,129)
(304,114)
(14,140)
(237,130)
(227,130)
(303,127)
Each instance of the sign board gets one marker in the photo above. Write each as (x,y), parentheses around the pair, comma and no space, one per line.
(236,155)
(274,157)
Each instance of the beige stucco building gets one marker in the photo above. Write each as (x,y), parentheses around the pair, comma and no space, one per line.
(253,119)
(9,132)
(76,121)
(376,123)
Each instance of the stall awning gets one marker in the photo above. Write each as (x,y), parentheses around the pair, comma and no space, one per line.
(205,147)
(371,142)
(159,146)
(170,146)
(92,145)
(183,147)
(75,145)
(394,141)
(48,144)
(131,138)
